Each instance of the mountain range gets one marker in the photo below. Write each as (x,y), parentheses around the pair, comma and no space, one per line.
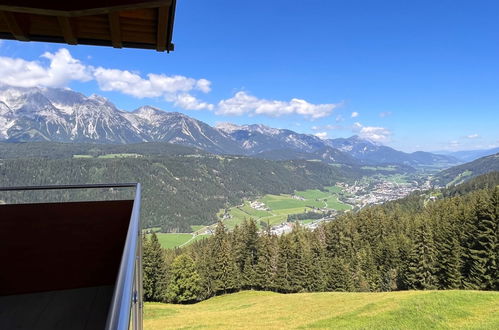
(471,155)
(461,173)
(63,115)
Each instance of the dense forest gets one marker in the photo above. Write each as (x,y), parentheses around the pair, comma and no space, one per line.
(182,186)
(412,243)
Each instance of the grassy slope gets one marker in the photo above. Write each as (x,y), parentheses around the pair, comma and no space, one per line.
(389,310)
(170,241)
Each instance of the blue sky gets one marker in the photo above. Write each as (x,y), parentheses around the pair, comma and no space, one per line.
(414,75)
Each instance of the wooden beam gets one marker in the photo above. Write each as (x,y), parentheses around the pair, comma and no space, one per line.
(162,29)
(115,28)
(78,8)
(67,30)
(14,26)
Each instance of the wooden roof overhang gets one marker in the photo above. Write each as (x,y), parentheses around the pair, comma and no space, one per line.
(117,23)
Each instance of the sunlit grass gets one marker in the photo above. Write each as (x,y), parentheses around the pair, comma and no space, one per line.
(390,310)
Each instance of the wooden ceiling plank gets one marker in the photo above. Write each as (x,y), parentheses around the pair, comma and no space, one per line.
(91,8)
(115,28)
(67,30)
(162,29)
(14,26)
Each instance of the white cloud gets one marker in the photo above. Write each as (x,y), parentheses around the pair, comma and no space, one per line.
(62,69)
(357,126)
(473,136)
(339,118)
(373,133)
(155,85)
(355,114)
(172,88)
(385,114)
(321,135)
(243,103)
(189,102)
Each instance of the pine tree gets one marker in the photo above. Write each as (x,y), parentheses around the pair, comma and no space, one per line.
(246,252)
(339,276)
(266,265)
(318,265)
(421,264)
(299,261)
(449,262)
(495,205)
(482,253)
(369,275)
(283,272)
(223,270)
(154,269)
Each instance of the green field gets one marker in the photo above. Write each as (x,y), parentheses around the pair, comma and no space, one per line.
(196,228)
(332,310)
(280,206)
(83,156)
(170,241)
(123,155)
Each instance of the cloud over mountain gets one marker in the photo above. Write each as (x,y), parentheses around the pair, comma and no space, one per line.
(62,69)
(243,103)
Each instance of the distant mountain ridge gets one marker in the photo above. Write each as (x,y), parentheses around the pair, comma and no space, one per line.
(62,115)
(461,173)
(471,155)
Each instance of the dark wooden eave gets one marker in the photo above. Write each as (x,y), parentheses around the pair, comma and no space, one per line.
(117,23)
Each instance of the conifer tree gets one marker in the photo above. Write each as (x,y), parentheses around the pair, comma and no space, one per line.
(299,262)
(283,273)
(318,265)
(422,260)
(482,253)
(339,276)
(266,266)
(449,262)
(369,273)
(223,271)
(154,269)
(495,206)
(246,252)
(185,283)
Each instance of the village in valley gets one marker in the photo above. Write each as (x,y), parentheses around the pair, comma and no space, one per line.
(308,208)
(327,204)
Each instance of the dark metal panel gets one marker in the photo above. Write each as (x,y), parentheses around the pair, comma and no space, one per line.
(59,246)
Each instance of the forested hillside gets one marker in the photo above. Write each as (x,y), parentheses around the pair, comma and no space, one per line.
(181,187)
(54,150)
(458,174)
(414,243)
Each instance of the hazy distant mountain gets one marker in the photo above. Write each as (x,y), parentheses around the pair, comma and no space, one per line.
(61,115)
(327,154)
(375,153)
(470,155)
(461,173)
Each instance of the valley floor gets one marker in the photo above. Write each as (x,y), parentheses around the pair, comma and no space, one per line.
(386,310)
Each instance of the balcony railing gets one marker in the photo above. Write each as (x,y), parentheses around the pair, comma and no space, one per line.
(126,307)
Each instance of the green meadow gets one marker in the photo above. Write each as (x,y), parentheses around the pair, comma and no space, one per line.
(171,241)
(280,206)
(332,310)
